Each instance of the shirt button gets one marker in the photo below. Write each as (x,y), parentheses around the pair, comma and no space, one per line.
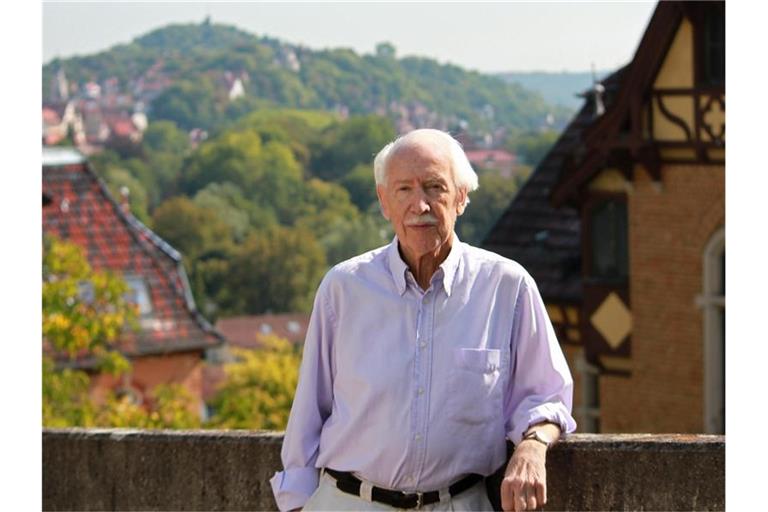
(422,344)
(421,391)
(417,437)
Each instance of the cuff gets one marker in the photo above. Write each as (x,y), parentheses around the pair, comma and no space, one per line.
(551,412)
(293,487)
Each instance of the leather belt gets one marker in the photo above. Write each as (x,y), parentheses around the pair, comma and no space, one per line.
(349,483)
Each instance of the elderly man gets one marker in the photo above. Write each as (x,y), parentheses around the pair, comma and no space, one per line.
(421,358)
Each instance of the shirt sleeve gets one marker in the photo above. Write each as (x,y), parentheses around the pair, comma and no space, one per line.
(312,404)
(540,387)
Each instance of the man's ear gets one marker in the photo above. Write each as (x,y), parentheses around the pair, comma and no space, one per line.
(462,201)
(382,203)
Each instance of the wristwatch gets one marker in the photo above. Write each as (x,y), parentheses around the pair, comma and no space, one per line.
(537,436)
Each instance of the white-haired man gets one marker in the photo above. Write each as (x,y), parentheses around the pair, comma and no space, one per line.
(422,357)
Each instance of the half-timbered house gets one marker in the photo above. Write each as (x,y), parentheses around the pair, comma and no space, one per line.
(623,226)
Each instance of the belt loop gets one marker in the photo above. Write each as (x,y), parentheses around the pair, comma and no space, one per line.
(445,494)
(366,490)
(419,500)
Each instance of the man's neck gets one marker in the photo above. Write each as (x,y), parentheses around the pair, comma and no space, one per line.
(424,266)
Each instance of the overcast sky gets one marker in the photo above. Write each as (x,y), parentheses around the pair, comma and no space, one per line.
(489,37)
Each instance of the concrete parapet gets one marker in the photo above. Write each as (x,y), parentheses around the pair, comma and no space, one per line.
(118,469)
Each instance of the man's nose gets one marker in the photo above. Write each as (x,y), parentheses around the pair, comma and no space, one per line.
(421,205)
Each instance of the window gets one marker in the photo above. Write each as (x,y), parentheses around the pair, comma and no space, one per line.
(608,233)
(712,301)
(138,293)
(713,40)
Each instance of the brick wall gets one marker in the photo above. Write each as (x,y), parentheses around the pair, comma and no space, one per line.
(669,227)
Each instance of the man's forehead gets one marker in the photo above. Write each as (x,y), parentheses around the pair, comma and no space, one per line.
(420,158)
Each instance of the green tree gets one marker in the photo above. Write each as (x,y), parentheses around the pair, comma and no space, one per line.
(257,392)
(361,186)
(487,203)
(533,146)
(84,313)
(191,229)
(344,145)
(277,269)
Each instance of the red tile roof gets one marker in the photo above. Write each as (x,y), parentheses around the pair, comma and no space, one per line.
(245,331)
(493,155)
(81,210)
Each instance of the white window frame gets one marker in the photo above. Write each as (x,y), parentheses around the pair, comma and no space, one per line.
(712,303)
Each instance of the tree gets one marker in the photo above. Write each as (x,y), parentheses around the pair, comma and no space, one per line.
(361,186)
(347,144)
(259,386)
(84,312)
(276,269)
(487,203)
(189,228)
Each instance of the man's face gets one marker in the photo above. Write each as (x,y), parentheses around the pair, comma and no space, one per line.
(420,198)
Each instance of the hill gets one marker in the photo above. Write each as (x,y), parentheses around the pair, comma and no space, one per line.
(555,88)
(181,70)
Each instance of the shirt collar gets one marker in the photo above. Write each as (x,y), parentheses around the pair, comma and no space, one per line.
(450,266)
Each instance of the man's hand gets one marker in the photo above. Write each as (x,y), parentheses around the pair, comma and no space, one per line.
(525,481)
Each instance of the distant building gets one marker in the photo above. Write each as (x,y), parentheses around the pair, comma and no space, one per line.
(498,160)
(247,331)
(171,343)
(622,225)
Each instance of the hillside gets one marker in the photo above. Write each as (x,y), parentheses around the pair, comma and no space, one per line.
(185,66)
(555,88)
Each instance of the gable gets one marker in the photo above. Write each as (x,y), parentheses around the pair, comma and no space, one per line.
(80,209)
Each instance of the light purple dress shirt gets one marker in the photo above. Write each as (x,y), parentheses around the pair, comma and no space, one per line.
(413,389)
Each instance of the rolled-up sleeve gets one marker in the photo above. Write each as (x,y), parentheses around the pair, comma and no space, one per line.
(312,404)
(540,386)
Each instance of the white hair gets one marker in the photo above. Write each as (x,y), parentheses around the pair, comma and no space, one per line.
(464,177)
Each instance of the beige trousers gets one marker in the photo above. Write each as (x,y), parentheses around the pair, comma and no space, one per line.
(328,497)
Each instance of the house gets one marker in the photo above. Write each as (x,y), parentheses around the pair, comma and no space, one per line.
(248,332)
(499,160)
(622,225)
(173,337)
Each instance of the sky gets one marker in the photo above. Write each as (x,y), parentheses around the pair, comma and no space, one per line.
(487,37)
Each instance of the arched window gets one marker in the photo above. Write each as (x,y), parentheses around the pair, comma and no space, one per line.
(712,301)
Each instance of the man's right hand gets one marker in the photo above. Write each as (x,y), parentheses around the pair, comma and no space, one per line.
(525,482)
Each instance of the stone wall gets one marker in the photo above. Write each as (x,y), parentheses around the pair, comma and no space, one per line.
(116,469)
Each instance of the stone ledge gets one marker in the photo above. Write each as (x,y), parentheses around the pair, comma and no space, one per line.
(119,469)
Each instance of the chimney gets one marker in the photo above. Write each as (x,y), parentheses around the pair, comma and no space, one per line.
(125,203)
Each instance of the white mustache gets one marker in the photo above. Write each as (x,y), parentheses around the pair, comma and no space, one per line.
(427,218)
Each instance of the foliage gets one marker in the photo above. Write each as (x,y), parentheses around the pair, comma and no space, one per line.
(169,407)
(346,145)
(194,55)
(190,228)
(532,147)
(277,270)
(487,203)
(84,312)
(259,386)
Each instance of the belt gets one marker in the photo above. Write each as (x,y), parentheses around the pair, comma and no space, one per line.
(349,483)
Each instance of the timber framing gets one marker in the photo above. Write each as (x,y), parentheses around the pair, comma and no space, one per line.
(624,135)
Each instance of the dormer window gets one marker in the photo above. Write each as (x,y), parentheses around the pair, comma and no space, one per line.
(138,294)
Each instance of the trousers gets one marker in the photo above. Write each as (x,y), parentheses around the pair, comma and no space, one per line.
(328,497)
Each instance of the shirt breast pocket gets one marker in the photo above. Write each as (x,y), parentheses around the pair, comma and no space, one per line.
(476,385)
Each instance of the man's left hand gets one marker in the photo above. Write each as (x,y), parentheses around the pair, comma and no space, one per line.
(525,481)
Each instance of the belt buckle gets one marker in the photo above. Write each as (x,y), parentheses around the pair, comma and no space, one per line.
(419,500)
